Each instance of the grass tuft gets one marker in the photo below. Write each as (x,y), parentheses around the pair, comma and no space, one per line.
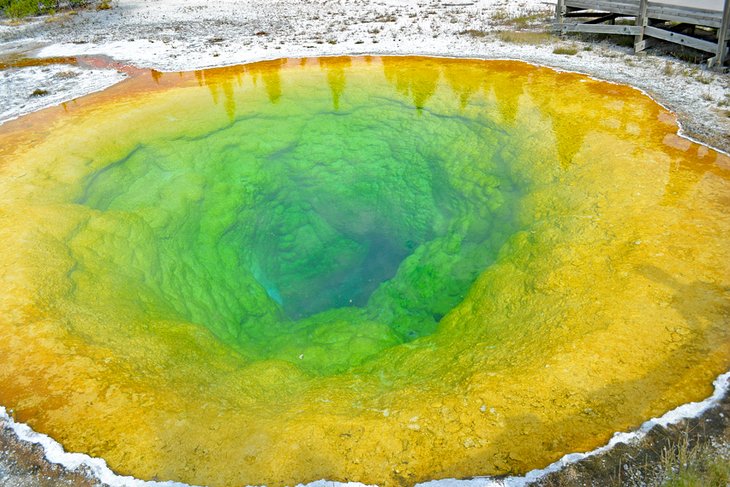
(526,37)
(17,9)
(687,465)
(474,33)
(503,17)
(567,51)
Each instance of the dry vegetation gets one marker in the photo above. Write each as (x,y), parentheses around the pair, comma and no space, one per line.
(525,37)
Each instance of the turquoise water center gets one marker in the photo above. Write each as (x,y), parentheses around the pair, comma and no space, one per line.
(320,233)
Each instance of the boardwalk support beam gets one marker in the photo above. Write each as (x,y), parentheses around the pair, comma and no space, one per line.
(655,20)
(723,35)
(641,21)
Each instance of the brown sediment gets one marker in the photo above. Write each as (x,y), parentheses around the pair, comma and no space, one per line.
(106,62)
(23,464)
(89,62)
(20,61)
(15,61)
(641,463)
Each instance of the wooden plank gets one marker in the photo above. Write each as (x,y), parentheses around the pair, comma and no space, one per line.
(698,17)
(681,39)
(722,35)
(560,11)
(608,4)
(599,29)
(716,5)
(697,12)
(641,22)
(645,44)
(655,10)
(586,14)
(625,7)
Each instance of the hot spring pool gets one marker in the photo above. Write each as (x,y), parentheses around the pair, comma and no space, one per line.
(385,270)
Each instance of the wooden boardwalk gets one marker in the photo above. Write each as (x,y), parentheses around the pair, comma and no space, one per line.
(669,20)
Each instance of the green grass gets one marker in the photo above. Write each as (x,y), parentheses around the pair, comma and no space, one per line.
(474,33)
(523,37)
(698,465)
(25,8)
(567,51)
(503,17)
(523,21)
(500,15)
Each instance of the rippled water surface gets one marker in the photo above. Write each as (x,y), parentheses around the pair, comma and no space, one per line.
(385,270)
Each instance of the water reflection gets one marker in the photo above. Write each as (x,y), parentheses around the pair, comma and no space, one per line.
(156,75)
(335,67)
(269,72)
(222,80)
(417,85)
(463,86)
(509,93)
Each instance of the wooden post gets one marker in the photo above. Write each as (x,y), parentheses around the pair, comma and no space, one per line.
(642,21)
(722,34)
(560,12)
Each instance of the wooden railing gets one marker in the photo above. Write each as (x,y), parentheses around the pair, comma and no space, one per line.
(651,21)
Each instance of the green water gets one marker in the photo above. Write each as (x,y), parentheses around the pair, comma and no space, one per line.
(383,270)
(310,231)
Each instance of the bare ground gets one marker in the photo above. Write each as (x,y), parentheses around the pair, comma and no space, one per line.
(24,464)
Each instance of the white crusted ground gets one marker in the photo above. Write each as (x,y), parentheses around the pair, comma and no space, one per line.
(29,89)
(172,35)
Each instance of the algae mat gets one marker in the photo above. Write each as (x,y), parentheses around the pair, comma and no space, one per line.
(385,270)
